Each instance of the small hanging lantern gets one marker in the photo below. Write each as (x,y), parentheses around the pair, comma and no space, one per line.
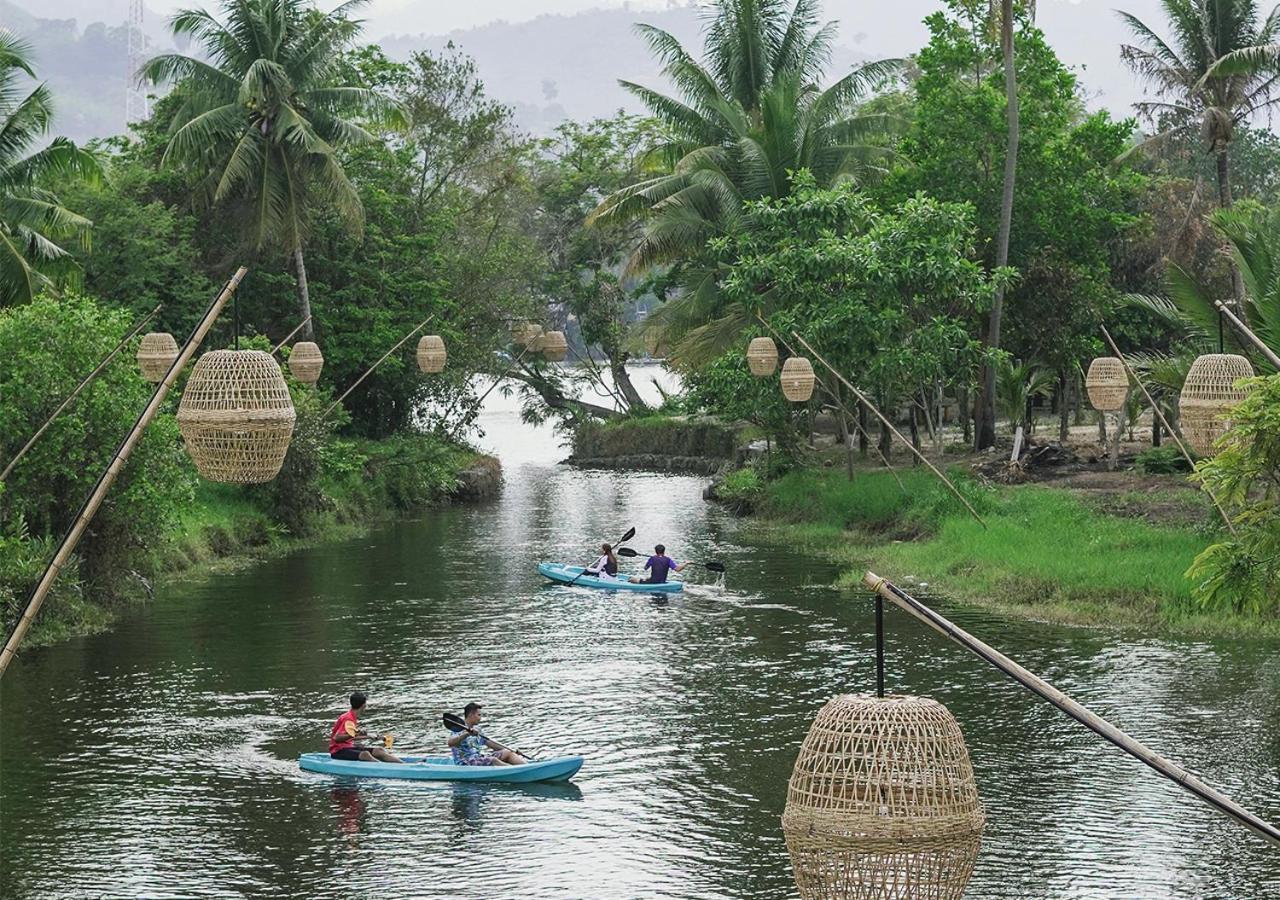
(882,802)
(431,354)
(1207,394)
(1107,384)
(762,357)
(306,361)
(156,354)
(554,346)
(527,334)
(236,416)
(797,379)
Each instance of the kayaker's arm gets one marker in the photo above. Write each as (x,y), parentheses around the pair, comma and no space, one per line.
(680,568)
(456,738)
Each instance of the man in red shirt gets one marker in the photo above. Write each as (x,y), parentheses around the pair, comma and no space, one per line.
(346,731)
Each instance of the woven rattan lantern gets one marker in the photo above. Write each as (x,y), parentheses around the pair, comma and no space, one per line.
(527,335)
(1208,392)
(236,416)
(431,354)
(797,379)
(762,357)
(156,354)
(554,346)
(1107,384)
(306,361)
(882,802)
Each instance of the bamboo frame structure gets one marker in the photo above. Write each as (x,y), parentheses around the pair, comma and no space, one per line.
(367,372)
(84,383)
(108,477)
(1085,717)
(1248,333)
(1155,409)
(290,336)
(879,415)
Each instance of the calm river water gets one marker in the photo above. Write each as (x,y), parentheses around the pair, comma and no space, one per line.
(160,760)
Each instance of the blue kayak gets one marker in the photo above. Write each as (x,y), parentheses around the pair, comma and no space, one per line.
(566,574)
(441,768)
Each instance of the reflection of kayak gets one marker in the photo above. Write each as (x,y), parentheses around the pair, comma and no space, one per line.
(565,574)
(441,768)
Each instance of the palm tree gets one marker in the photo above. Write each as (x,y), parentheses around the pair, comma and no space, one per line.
(748,115)
(262,120)
(1018,384)
(1218,71)
(33,223)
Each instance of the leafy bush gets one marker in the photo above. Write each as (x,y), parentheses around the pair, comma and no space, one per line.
(658,435)
(1161,461)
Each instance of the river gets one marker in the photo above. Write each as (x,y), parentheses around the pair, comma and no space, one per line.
(159,760)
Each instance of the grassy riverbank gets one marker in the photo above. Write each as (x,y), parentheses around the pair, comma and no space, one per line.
(1058,554)
(368,482)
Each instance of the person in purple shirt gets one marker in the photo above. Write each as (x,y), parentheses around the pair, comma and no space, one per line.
(658,566)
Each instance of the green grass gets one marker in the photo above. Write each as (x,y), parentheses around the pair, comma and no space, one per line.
(1045,553)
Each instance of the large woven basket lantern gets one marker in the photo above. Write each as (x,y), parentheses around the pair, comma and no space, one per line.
(156,354)
(236,416)
(762,357)
(1208,392)
(797,379)
(306,361)
(1107,384)
(554,346)
(882,802)
(431,354)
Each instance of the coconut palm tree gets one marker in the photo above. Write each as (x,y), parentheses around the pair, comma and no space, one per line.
(33,223)
(261,121)
(746,116)
(1217,71)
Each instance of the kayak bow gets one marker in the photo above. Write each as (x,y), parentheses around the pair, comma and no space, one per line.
(566,574)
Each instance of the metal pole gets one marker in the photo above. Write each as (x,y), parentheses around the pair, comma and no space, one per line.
(367,372)
(1248,333)
(88,379)
(108,477)
(1090,720)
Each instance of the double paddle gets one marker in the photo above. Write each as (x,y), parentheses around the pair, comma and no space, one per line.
(617,548)
(455,722)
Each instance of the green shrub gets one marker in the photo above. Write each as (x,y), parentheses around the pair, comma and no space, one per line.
(656,435)
(1161,461)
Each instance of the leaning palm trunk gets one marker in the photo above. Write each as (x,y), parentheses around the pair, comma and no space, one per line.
(987,429)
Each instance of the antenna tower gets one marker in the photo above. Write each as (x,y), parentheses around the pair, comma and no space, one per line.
(135,98)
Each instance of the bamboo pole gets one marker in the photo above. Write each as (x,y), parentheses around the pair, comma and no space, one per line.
(489,390)
(879,415)
(1085,717)
(108,477)
(852,417)
(1155,408)
(1248,333)
(288,337)
(88,379)
(369,371)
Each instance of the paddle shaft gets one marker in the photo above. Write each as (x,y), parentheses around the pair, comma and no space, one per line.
(452,721)
(628,535)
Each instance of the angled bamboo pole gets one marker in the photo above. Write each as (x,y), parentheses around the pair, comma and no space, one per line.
(369,371)
(88,379)
(879,415)
(288,337)
(852,418)
(489,390)
(1155,408)
(108,476)
(1085,717)
(1248,333)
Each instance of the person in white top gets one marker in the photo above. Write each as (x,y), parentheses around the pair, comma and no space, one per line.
(606,566)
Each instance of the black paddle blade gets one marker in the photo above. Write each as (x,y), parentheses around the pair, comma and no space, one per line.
(454,722)
(626,551)
(715,566)
(631,532)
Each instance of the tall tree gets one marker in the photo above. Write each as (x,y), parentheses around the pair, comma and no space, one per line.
(260,123)
(986,432)
(1217,72)
(33,222)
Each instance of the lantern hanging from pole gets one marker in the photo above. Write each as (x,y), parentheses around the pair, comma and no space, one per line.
(762,357)
(554,346)
(306,361)
(236,416)
(156,354)
(431,354)
(527,335)
(1207,394)
(797,379)
(1107,384)
(882,802)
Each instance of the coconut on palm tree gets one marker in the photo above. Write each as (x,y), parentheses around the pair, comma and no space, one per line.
(261,121)
(33,223)
(749,114)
